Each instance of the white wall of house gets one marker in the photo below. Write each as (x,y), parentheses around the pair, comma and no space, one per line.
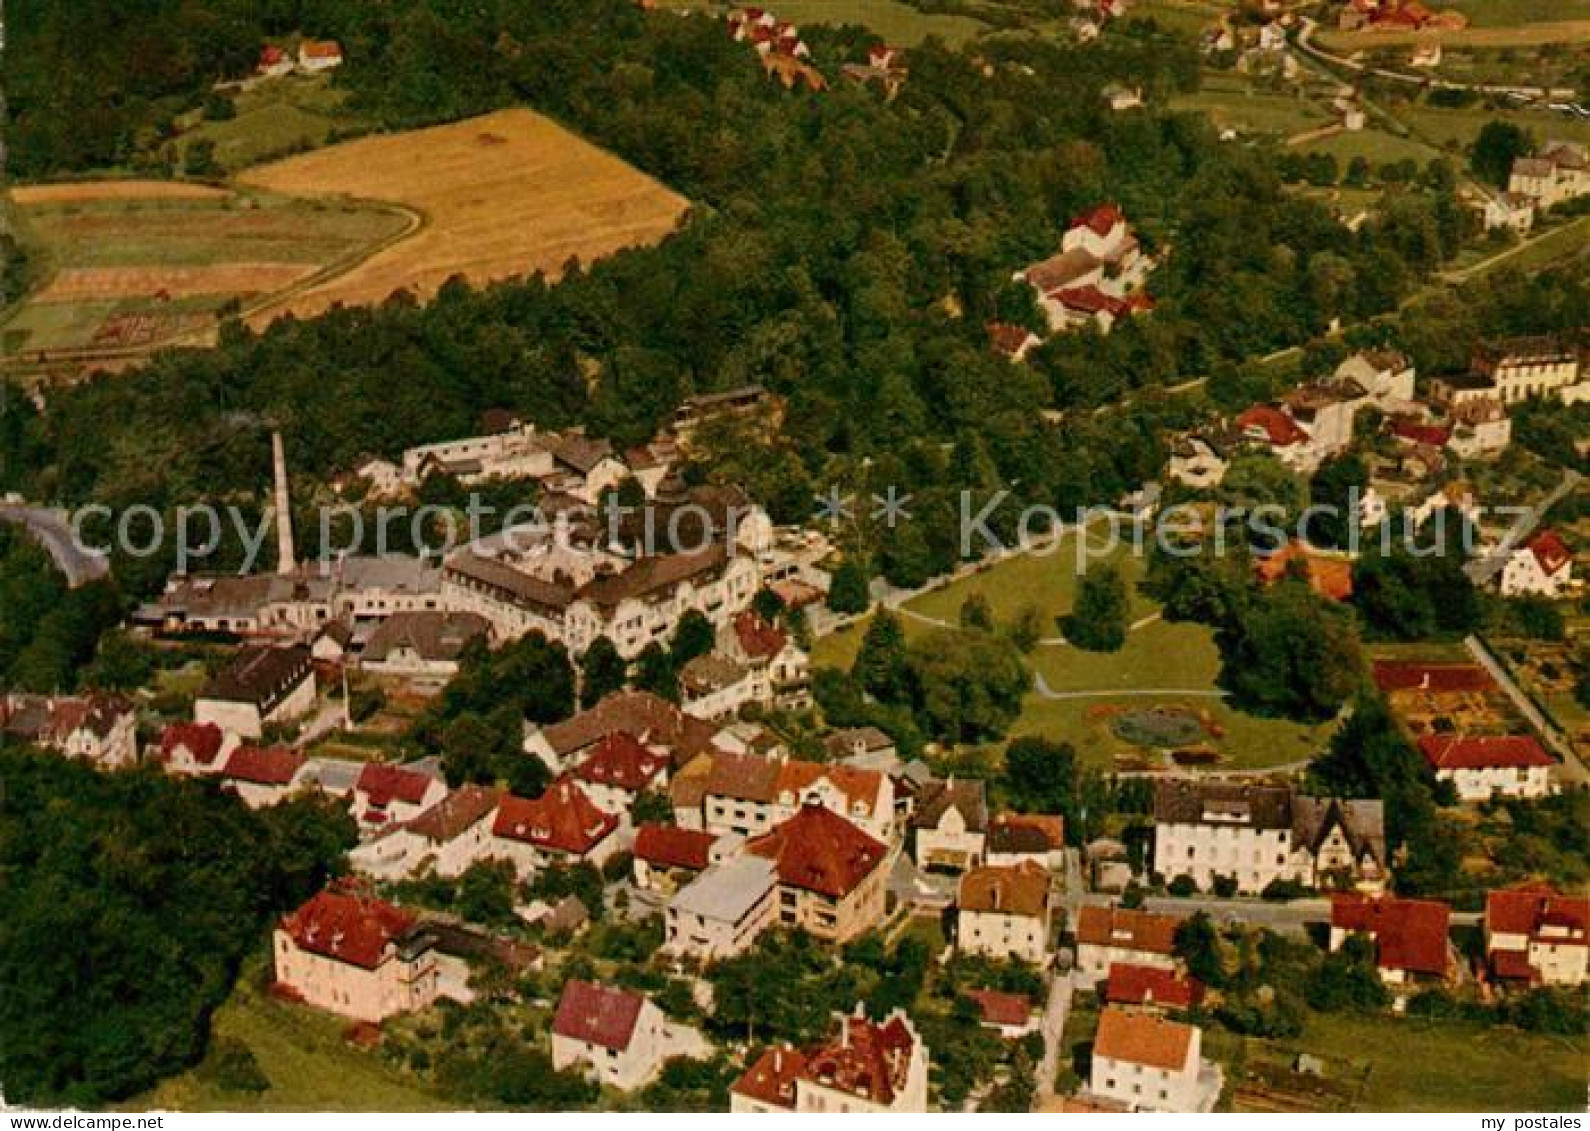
(395,986)
(999,935)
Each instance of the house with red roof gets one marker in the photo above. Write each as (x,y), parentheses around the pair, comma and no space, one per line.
(1011,341)
(1004,912)
(445,839)
(1009,1015)
(868,1066)
(1152,986)
(562,826)
(1152,1063)
(1098,275)
(1328,575)
(96,728)
(192,749)
(262,775)
(771,653)
(1108,935)
(1485,766)
(668,856)
(618,1037)
(831,875)
(388,795)
(1269,427)
(316,55)
(1537,936)
(1542,566)
(1410,935)
(618,769)
(355,955)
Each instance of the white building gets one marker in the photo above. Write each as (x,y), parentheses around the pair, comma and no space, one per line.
(1003,912)
(445,840)
(951,825)
(1536,935)
(868,1067)
(1386,375)
(1542,566)
(722,911)
(619,1037)
(562,826)
(1520,368)
(1152,1063)
(1559,172)
(95,728)
(261,686)
(1108,935)
(359,957)
(1484,767)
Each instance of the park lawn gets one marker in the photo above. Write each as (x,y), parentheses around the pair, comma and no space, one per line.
(1422,1065)
(1457,129)
(303,1054)
(274,118)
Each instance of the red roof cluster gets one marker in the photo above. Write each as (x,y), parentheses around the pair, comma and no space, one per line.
(1091,300)
(1409,934)
(347,927)
(622,760)
(1279,429)
(202,741)
(264,765)
(758,638)
(818,850)
(1131,984)
(669,846)
(562,819)
(1415,433)
(1483,752)
(597,1015)
(386,784)
(1527,908)
(1441,678)
(771,1080)
(869,1060)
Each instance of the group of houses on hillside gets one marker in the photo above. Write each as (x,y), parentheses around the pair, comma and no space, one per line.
(1556,173)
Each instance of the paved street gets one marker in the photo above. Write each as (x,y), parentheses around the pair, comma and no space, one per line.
(52,530)
(1053,1028)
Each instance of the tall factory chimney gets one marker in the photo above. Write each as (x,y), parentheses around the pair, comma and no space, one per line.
(285,561)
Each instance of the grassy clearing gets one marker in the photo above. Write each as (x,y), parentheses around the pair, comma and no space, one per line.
(274,118)
(303,1054)
(1419,1065)
(1511,13)
(1572,239)
(1536,34)
(1457,129)
(1375,146)
(1253,111)
(898,23)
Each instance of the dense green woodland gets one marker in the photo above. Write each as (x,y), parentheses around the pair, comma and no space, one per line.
(845,251)
(127,902)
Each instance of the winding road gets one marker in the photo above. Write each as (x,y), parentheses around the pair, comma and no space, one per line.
(53,530)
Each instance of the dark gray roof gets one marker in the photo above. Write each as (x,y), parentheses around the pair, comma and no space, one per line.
(1187,801)
(936,799)
(262,676)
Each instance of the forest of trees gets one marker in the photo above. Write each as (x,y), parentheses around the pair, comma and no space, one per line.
(162,886)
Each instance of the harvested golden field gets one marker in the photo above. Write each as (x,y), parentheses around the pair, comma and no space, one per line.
(88,284)
(78,191)
(1521,35)
(501,195)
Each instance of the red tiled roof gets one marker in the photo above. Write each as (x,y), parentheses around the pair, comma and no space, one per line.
(869,1060)
(1279,429)
(322,49)
(1416,433)
(820,851)
(771,1079)
(757,637)
(1007,337)
(1525,909)
(1409,934)
(201,740)
(270,56)
(1131,984)
(669,846)
(1100,219)
(1550,551)
(1329,577)
(650,717)
(347,927)
(1128,928)
(598,1015)
(1001,1009)
(562,819)
(1513,965)
(620,759)
(1480,752)
(1143,1038)
(1416,675)
(264,765)
(386,784)
(860,787)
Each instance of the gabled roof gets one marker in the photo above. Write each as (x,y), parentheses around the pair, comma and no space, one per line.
(649,717)
(201,740)
(263,765)
(562,819)
(669,846)
(623,761)
(758,638)
(456,813)
(744,777)
(1001,1008)
(1100,219)
(1022,889)
(869,1060)
(348,927)
(1409,934)
(818,850)
(261,675)
(1143,1038)
(1528,908)
(965,795)
(1277,428)
(1131,984)
(1550,551)
(1481,752)
(1030,833)
(1008,338)
(861,788)
(433,636)
(383,784)
(1127,928)
(771,1078)
(599,1015)
(1198,801)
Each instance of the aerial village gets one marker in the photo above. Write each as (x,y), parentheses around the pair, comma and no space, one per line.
(599,780)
